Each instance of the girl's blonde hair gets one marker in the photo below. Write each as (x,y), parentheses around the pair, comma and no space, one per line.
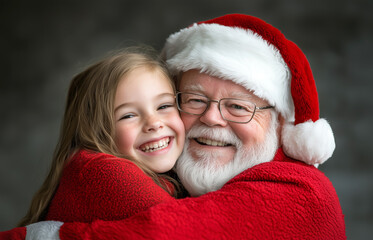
(88,121)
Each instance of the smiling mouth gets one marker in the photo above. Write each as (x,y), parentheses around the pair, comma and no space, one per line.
(155,146)
(210,142)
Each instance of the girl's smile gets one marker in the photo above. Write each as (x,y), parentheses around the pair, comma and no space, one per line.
(156,145)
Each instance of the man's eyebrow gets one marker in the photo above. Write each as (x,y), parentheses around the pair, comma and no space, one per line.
(248,97)
(241,95)
(194,87)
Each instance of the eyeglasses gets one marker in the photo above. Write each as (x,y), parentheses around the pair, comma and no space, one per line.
(231,109)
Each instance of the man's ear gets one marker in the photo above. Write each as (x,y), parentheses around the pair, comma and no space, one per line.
(281,122)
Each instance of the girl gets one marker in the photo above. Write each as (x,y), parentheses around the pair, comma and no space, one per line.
(120,108)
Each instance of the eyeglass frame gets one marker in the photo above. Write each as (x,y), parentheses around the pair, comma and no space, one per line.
(218,102)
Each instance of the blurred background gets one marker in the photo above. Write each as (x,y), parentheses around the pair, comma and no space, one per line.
(44,43)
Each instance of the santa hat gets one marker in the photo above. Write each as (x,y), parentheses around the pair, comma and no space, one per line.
(254,54)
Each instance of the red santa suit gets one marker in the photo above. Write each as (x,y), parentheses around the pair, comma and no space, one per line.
(101,186)
(281,199)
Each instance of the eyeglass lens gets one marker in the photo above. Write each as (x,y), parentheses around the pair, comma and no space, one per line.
(235,110)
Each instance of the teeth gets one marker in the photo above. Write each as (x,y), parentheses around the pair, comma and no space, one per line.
(155,146)
(212,142)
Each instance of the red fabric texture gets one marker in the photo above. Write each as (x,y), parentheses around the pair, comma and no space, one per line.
(14,234)
(303,87)
(101,186)
(282,199)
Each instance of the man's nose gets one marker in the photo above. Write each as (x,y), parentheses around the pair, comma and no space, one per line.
(212,116)
(153,124)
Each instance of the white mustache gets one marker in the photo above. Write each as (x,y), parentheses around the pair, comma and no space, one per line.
(217,134)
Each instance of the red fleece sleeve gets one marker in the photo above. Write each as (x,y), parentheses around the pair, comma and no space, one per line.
(270,201)
(103,187)
(14,234)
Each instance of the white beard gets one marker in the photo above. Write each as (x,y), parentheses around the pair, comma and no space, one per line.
(206,175)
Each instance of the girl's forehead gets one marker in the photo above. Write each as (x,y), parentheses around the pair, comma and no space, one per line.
(142,83)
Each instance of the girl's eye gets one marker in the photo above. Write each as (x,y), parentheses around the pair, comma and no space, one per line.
(165,106)
(127,116)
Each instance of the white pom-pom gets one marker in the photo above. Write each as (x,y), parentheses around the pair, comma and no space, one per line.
(309,142)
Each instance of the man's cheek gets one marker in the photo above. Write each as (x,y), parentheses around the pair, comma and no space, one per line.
(188,120)
(252,138)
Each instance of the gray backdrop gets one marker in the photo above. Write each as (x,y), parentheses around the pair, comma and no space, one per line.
(44,43)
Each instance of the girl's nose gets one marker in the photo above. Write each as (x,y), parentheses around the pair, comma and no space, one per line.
(153,123)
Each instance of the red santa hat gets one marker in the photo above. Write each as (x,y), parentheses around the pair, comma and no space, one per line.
(256,55)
